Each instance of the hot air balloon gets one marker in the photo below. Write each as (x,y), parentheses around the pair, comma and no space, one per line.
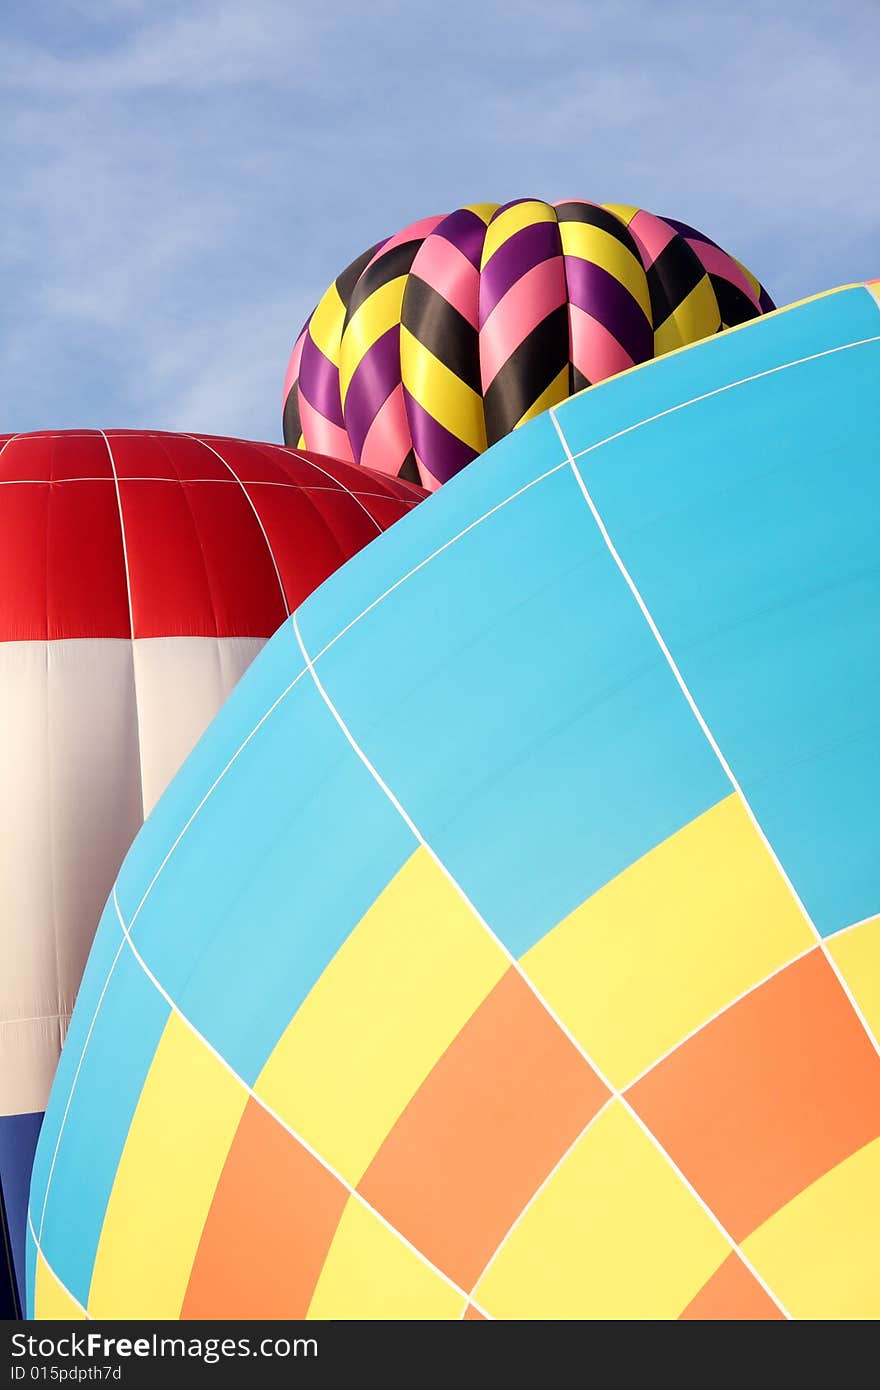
(445,337)
(568,1009)
(140,573)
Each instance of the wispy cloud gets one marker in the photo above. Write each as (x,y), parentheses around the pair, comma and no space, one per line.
(181,178)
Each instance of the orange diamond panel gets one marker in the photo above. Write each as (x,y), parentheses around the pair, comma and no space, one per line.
(502,1105)
(271,1222)
(733,1294)
(768,1097)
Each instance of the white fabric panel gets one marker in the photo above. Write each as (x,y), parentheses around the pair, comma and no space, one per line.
(181,684)
(70,805)
(91,731)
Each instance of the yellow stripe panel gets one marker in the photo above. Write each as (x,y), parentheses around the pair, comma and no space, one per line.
(857,953)
(756,288)
(513,220)
(379,312)
(369,1273)
(621,210)
(614,1234)
(601,248)
(325,325)
(382,1014)
(555,393)
(485,211)
(697,316)
(179,1138)
(821,1253)
(668,943)
(439,391)
(51,1299)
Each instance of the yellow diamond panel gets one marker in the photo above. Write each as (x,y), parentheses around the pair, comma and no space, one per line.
(381,1015)
(614,1234)
(668,943)
(857,953)
(821,1253)
(51,1299)
(370,1274)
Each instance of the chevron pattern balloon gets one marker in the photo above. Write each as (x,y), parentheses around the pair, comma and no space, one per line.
(442,339)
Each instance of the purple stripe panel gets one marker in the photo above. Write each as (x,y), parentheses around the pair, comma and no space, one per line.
(596,292)
(765,303)
(467,233)
(319,382)
(690,233)
(525,249)
(375,377)
(441,452)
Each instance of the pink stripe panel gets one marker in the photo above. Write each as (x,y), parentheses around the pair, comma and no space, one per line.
(429,482)
(416,231)
(321,435)
(717,262)
(292,372)
(595,351)
(536,294)
(388,439)
(447,270)
(652,234)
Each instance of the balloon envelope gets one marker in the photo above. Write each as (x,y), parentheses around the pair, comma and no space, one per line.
(568,1009)
(443,338)
(140,573)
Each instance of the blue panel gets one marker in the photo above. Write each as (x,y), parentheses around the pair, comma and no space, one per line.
(126,1033)
(513,462)
(749,524)
(758,346)
(264,681)
(531,728)
(105,948)
(274,873)
(18,1139)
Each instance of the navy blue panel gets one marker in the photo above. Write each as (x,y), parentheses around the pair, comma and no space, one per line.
(18,1140)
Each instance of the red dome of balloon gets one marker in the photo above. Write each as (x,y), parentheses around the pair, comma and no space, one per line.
(132,534)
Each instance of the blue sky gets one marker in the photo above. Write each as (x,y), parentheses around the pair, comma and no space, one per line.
(182,180)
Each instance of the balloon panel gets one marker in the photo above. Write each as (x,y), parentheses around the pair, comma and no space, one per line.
(569,1009)
(140,574)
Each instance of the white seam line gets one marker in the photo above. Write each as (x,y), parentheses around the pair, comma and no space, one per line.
(122,533)
(517,966)
(252,505)
(544,1183)
(35,1018)
(710,738)
(73,1085)
(217,482)
(345,488)
(59,1281)
(717,391)
(719,1013)
(264,1105)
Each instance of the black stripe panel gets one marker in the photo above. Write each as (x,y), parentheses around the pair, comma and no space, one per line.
(442,330)
(735,306)
(291,420)
(346,282)
(598,217)
(526,374)
(389,266)
(409,470)
(671,278)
